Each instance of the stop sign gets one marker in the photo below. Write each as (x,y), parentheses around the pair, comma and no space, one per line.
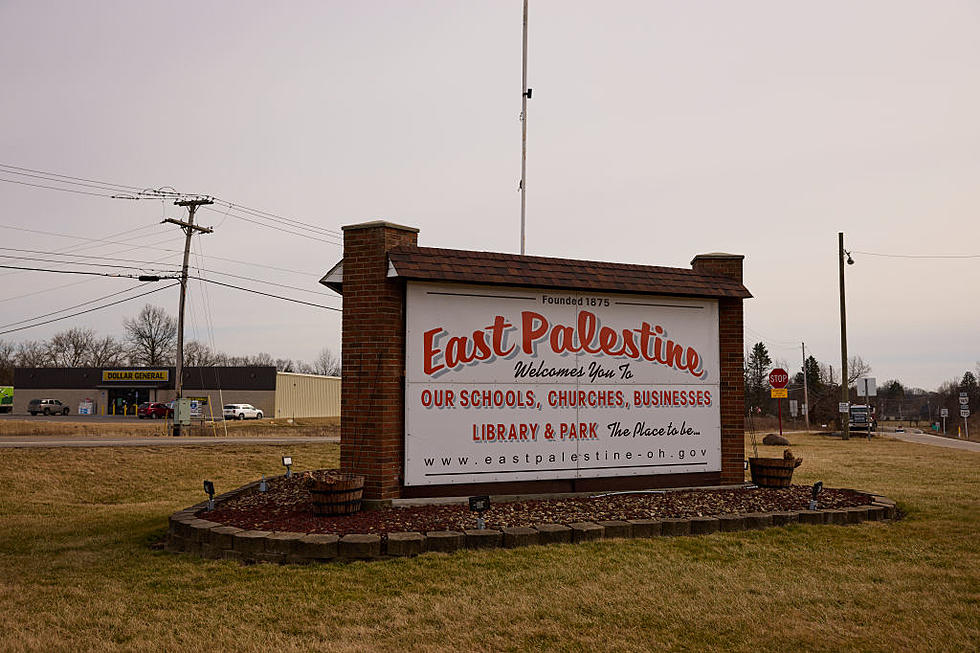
(778,378)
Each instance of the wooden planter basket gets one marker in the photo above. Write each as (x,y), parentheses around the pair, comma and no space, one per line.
(338,495)
(773,472)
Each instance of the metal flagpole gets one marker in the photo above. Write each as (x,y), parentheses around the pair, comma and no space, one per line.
(525,94)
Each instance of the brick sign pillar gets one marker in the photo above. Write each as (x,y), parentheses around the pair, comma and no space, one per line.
(732,381)
(373,358)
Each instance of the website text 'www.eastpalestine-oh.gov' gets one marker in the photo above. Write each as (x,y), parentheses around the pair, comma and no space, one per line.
(557,461)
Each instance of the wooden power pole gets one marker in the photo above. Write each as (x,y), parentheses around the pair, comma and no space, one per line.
(189,228)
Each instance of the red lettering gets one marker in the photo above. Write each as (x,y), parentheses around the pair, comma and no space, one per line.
(531,333)
(430,352)
(586,330)
(497,329)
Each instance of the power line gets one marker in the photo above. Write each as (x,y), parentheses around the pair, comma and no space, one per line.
(94,274)
(68,308)
(161,249)
(270,215)
(143,267)
(137,193)
(102,265)
(97,308)
(265,294)
(924,256)
(41,251)
(280,228)
(64,190)
(55,174)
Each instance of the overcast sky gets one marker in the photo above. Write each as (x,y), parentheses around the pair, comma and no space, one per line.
(656,131)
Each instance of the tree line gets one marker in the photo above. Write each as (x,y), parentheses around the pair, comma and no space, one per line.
(894,400)
(149,340)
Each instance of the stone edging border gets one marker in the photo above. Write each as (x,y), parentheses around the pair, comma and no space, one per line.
(189,534)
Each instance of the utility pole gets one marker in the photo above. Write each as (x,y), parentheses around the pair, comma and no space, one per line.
(189,228)
(525,95)
(844,390)
(806,393)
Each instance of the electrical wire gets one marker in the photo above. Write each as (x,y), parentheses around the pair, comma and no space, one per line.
(55,174)
(265,294)
(277,217)
(923,256)
(69,308)
(64,190)
(40,251)
(97,308)
(280,228)
(113,190)
(95,274)
(161,249)
(102,265)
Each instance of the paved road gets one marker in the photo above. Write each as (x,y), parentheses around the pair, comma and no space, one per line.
(935,440)
(49,441)
(81,419)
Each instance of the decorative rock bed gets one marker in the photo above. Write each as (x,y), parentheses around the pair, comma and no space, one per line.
(190,533)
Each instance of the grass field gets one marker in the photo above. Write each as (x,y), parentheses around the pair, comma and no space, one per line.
(76,571)
(79,427)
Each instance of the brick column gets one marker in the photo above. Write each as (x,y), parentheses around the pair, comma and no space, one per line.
(730,340)
(372,417)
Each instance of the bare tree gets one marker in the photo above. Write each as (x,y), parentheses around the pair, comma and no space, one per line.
(285,365)
(8,359)
(198,354)
(327,363)
(106,352)
(32,353)
(151,336)
(856,368)
(70,348)
(261,359)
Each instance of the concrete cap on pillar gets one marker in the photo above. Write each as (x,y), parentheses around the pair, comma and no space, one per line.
(373,224)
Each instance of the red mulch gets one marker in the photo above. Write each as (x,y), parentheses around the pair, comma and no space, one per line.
(286,506)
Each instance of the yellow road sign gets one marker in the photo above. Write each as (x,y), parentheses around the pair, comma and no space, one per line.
(779,393)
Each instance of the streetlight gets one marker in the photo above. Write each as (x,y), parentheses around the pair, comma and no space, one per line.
(844,390)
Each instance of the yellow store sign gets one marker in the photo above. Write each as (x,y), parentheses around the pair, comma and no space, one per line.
(135,375)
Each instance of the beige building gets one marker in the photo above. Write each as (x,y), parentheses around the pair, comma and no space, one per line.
(118,391)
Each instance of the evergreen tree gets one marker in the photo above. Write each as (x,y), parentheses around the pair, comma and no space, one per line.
(756,376)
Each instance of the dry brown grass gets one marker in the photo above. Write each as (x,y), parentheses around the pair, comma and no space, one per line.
(306,427)
(76,572)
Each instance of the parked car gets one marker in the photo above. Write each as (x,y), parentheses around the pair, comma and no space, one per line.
(154,410)
(46,407)
(240,411)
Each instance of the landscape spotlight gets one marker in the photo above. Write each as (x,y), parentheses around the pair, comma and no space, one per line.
(263,486)
(287,461)
(209,489)
(817,488)
(479,505)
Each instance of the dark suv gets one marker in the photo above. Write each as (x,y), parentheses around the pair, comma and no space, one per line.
(46,407)
(153,410)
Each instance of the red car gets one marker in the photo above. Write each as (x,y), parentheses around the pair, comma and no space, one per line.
(154,410)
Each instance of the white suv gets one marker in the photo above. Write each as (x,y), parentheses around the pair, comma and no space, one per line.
(241,411)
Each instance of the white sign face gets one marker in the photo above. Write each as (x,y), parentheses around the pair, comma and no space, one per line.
(964,400)
(843,407)
(866,387)
(516,384)
(944,412)
(793,407)
(964,412)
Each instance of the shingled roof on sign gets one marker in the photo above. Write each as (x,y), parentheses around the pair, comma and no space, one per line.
(465,266)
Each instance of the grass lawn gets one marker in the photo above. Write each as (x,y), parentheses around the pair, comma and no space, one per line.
(80,427)
(76,572)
